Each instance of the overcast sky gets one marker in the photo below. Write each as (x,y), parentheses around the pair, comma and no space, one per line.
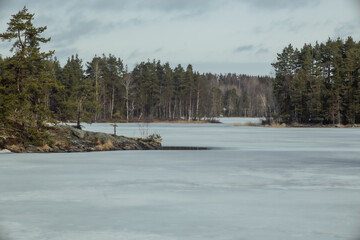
(219,36)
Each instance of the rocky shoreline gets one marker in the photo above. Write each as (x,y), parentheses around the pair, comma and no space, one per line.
(64,138)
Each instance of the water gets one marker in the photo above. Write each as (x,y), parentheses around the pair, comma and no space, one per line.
(255,183)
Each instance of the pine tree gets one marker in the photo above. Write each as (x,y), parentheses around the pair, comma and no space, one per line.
(94,72)
(179,79)
(285,69)
(30,74)
(168,92)
(188,89)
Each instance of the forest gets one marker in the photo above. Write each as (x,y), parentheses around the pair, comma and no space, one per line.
(105,90)
(318,84)
(35,88)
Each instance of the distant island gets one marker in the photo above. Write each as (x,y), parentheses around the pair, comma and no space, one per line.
(315,86)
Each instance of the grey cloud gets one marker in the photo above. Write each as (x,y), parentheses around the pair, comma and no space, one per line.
(80,27)
(5,234)
(262,51)
(179,10)
(134,22)
(2,4)
(134,54)
(175,5)
(346,29)
(158,5)
(158,50)
(356,4)
(111,5)
(279,4)
(189,14)
(7,9)
(258,29)
(76,30)
(244,48)
(289,25)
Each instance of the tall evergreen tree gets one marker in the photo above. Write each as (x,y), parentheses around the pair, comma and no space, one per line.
(30,75)
(285,69)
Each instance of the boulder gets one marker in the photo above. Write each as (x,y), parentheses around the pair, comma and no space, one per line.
(77,132)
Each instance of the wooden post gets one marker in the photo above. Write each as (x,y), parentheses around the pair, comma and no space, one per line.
(114,125)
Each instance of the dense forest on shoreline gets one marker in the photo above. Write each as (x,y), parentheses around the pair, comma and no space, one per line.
(107,91)
(319,84)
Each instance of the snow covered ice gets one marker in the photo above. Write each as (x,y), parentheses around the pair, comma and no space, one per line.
(255,183)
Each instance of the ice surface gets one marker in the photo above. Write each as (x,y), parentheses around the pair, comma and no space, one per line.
(256,183)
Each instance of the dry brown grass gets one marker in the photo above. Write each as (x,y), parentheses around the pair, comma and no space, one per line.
(45,148)
(60,144)
(105,147)
(277,125)
(14,148)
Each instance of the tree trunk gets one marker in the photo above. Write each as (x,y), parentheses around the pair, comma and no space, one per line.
(169,108)
(112,101)
(174,112)
(97,81)
(338,108)
(190,110)
(197,103)
(127,109)
(104,106)
(97,85)
(79,114)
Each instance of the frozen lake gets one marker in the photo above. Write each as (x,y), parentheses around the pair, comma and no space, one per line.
(254,184)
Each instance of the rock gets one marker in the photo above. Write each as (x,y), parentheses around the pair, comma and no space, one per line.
(99,137)
(56,149)
(31,149)
(283,125)
(77,132)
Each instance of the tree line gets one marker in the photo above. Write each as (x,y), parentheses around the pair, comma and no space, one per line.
(35,88)
(106,90)
(319,83)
